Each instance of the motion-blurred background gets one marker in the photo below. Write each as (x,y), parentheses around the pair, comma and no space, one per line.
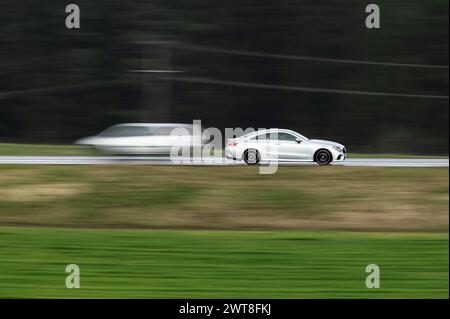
(158,231)
(59,84)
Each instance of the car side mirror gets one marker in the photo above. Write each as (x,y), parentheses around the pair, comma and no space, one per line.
(298,140)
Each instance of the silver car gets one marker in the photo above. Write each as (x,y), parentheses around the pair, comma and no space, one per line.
(144,138)
(283,145)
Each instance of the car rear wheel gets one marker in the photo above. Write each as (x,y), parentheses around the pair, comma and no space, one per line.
(251,157)
(323,157)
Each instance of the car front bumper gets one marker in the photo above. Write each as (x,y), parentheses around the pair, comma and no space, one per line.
(340,156)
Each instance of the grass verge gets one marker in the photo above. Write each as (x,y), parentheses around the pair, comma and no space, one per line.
(344,198)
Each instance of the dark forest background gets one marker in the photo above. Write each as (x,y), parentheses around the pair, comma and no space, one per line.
(57,84)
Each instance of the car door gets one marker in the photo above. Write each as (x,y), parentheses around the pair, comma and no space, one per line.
(134,139)
(265,144)
(289,147)
(122,139)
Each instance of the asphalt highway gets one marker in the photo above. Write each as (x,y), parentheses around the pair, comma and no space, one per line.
(164,160)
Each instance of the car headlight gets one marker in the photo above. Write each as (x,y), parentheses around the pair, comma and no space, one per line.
(337,148)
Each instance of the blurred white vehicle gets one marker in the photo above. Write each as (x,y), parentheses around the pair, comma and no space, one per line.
(145,138)
(283,145)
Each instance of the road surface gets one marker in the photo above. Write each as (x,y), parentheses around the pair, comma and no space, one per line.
(159,160)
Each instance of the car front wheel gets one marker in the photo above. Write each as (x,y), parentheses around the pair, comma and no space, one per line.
(323,157)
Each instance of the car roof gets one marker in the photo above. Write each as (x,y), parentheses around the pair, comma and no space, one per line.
(279,130)
(155,124)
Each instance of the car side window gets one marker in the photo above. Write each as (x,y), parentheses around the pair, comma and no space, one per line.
(125,131)
(286,137)
(274,136)
(170,130)
(261,137)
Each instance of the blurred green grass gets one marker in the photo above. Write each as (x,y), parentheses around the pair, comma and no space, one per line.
(10,149)
(220,264)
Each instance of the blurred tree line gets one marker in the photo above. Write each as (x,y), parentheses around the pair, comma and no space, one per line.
(57,84)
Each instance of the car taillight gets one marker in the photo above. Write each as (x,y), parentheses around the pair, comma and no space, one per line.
(232,143)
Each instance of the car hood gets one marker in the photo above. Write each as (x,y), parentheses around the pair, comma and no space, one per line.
(325,142)
(84,141)
(90,140)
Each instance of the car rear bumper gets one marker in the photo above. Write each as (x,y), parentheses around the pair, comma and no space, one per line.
(230,153)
